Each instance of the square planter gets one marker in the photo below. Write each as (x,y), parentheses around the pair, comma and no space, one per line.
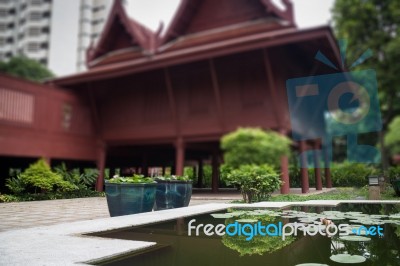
(172,194)
(124,199)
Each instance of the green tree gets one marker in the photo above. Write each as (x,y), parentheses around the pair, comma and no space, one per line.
(392,138)
(26,68)
(375,25)
(254,146)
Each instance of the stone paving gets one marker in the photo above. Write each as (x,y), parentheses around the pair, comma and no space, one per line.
(20,215)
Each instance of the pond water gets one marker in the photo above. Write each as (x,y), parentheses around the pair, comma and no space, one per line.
(176,247)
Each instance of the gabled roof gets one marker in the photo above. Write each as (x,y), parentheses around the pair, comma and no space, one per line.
(190,10)
(260,40)
(121,32)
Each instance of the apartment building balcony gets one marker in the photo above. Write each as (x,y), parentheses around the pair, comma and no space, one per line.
(37,55)
(42,7)
(38,23)
(38,38)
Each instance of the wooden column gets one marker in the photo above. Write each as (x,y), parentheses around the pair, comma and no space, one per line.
(285,187)
(305,188)
(200,175)
(179,156)
(101,163)
(163,170)
(327,169)
(215,173)
(317,169)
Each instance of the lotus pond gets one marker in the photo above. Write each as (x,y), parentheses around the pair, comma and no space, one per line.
(176,247)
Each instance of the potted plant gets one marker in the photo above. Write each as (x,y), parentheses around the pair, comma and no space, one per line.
(173,192)
(129,195)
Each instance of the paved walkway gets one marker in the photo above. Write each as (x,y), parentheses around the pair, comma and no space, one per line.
(18,215)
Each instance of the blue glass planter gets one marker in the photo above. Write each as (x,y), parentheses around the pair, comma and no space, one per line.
(172,194)
(124,199)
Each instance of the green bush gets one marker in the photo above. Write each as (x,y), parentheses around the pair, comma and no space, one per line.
(349,174)
(394,172)
(38,178)
(256,183)
(254,146)
(392,137)
(83,181)
(8,198)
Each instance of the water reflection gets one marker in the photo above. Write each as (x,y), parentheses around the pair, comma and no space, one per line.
(176,248)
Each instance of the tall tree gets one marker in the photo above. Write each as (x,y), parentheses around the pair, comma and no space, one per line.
(26,68)
(375,25)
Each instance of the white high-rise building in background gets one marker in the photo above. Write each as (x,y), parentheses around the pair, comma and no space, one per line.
(56,33)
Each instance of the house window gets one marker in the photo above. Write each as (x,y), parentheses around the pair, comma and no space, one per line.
(2,42)
(44,45)
(46,14)
(3,27)
(16,106)
(3,12)
(34,31)
(35,16)
(46,30)
(66,116)
(43,61)
(36,2)
(33,47)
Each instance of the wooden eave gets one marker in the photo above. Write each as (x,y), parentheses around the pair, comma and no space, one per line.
(187,8)
(140,36)
(210,36)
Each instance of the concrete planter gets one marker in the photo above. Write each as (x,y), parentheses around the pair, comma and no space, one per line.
(172,194)
(128,198)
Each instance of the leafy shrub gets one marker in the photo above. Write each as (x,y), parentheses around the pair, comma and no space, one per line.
(173,178)
(136,179)
(256,183)
(38,178)
(82,181)
(394,172)
(89,177)
(15,185)
(349,174)
(8,198)
(392,137)
(254,146)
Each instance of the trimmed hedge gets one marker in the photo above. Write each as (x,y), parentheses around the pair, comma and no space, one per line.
(346,174)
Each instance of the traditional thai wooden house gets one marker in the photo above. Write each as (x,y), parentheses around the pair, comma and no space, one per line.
(165,98)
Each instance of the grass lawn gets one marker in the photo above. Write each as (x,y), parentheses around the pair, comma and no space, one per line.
(341,193)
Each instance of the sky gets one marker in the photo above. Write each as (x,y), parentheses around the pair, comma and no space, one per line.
(308,13)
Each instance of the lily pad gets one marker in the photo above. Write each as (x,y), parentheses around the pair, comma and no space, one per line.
(247,221)
(311,264)
(347,258)
(221,215)
(355,238)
